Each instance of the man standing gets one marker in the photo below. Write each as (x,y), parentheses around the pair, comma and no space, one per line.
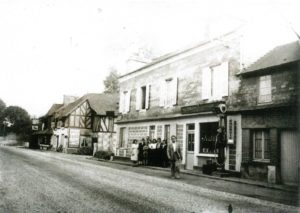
(174,155)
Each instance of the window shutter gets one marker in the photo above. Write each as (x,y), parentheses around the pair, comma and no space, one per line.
(121,102)
(217,82)
(138,98)
(162,93)
(174,91)
(224,68)
(206,83)
(127,101)
(147,96)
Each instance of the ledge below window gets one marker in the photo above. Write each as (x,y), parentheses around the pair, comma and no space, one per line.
(207,155)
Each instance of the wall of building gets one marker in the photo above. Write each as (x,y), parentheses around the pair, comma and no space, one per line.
(188,71)
(284,88)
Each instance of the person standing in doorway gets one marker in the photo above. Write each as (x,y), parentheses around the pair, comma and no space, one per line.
(174,155)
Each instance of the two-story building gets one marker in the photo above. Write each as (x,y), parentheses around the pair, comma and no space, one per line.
(177,94)
(266,106)
(86,122)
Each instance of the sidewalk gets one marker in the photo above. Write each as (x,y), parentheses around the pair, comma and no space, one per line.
(200,174)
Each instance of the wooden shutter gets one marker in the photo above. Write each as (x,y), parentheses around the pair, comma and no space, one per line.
(174,83)
(224,68)
(206,83)
(147,96)
(217,82)
(162,93)
(138,98)
(121,102)
(127,101)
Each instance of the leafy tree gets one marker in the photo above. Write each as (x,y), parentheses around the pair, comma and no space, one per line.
(20,119)
(111,82)
(2,109)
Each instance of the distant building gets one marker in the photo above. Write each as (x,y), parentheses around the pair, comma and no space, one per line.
(87,121)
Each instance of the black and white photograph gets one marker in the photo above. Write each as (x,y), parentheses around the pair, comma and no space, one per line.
(149,106)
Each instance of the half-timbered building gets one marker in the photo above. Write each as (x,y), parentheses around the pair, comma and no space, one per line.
(86,122)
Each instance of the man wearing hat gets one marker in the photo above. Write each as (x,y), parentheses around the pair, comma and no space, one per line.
(174,155)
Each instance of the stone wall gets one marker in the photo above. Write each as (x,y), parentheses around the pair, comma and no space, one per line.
(188,71)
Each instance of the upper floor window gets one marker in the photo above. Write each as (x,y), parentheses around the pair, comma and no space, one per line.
(215,82)
(124,103)
(261,143)
(265,89)
(168,92)
(142,97)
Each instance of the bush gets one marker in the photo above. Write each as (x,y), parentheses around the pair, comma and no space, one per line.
(103,155)
(85,151)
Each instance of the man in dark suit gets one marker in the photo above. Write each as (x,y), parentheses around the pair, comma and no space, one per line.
(174,155)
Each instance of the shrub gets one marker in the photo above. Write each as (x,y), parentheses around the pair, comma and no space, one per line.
(85,151)
(103,154)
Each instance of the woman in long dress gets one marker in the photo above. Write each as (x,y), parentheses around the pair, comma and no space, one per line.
(134,152)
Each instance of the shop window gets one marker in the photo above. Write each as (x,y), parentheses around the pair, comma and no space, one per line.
(122,137)
(152,132)
(208,133)
(261,143)
(190,137)
(265,89)
(167,133)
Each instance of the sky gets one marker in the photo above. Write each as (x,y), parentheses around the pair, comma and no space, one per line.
(51,48)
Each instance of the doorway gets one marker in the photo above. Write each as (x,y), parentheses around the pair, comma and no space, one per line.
(289,157)
(190,144)
(167,133)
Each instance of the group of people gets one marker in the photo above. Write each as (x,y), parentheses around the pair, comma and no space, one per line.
(157,153)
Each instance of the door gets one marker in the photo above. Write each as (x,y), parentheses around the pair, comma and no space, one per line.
(190,146)
(167,133)
(289,157)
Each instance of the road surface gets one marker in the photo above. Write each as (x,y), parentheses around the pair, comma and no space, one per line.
(35,181)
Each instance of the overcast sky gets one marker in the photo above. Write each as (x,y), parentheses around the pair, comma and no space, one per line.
(49,48)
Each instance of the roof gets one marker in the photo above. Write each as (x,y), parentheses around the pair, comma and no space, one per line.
(181,51)
(100,103)
(280,55)
(53,108)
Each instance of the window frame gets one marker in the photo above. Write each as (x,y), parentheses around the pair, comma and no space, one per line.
(265,98)
(263,132)
(190,132)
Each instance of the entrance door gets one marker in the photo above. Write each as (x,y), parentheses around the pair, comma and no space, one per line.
(190,144)
(167,133)
(289,157)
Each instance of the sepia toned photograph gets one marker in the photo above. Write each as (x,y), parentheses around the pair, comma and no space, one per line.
(149,106)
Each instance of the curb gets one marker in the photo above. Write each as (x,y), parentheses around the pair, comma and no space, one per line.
(241,181)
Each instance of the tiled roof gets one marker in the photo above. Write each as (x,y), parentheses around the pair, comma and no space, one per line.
(280,55)
(53,108)
(100,103)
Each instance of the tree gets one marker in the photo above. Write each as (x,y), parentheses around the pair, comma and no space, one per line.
(111,82)
(2,109)
(20,119)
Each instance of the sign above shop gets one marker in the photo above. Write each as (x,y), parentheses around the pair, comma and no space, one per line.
(207,107)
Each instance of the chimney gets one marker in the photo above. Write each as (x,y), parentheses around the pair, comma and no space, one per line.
(69,99)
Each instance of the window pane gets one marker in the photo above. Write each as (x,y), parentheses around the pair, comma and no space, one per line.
(258,145)
(143,105)
(191,141)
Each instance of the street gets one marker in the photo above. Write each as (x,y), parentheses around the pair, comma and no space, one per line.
(36,181)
